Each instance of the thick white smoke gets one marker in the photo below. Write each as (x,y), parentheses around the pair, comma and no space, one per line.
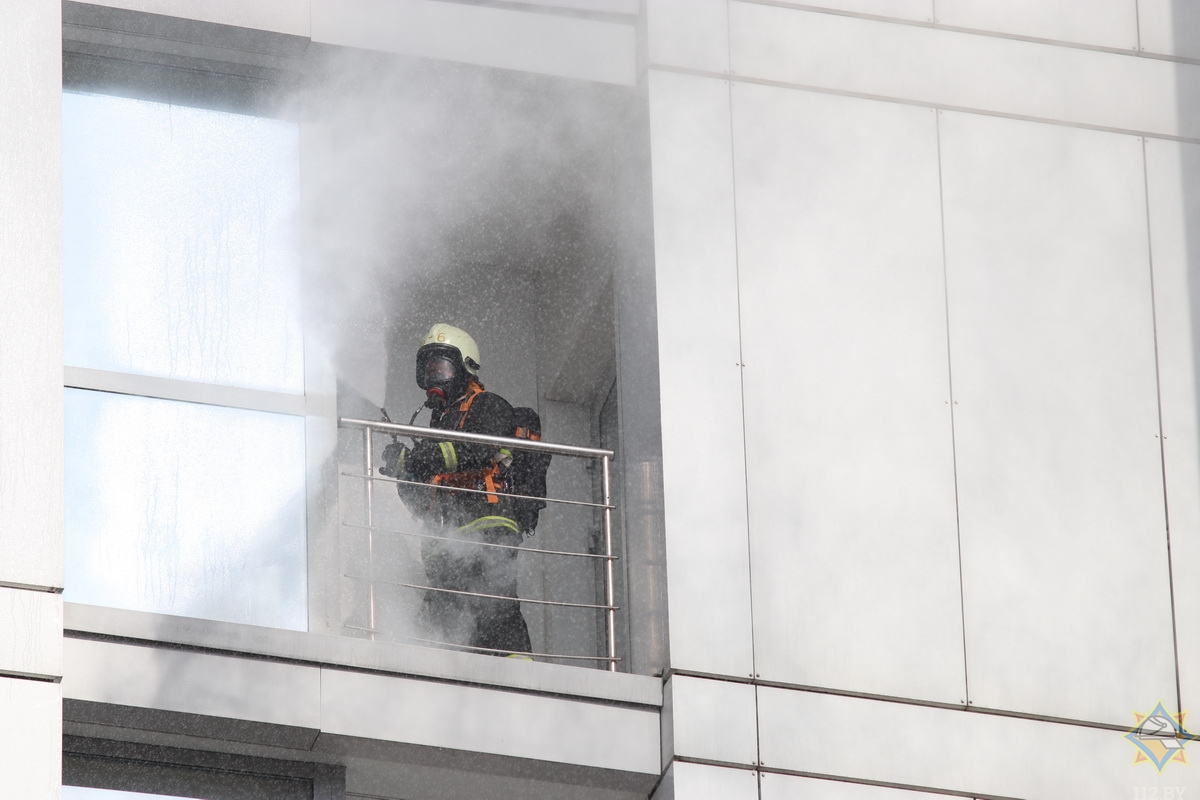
(417,173)
(436,192)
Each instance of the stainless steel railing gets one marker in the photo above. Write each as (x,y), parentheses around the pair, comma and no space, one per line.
(370,478)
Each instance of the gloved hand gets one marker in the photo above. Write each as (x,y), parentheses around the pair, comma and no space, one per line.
(425,460)
(395,457)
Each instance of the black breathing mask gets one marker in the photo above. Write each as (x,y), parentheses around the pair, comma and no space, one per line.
(441,373)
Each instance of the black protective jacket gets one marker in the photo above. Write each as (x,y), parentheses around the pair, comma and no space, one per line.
(464,465)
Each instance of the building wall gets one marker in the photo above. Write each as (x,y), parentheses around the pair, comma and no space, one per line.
(924,271)
(922,288)
(30,401)
(179,693)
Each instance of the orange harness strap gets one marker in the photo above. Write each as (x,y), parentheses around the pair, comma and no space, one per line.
(471,480)
(474,389)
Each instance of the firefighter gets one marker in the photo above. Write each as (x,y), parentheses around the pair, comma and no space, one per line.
(448,363)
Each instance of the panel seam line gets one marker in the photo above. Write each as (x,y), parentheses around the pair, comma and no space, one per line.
(35,677)
(883,98)
(742,384)
(31,587)
(1087,47)
(1137,23)
(1162,439)
(962,605)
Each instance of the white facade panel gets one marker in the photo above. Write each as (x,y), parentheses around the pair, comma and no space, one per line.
(848,439)
(1170,27)
(919,10)
(693,34)
(490,721)
(952,750)
(686,781)
(1173,173)
(30,739)
(713,720)
(31,632)
(31,295)
(708,580)
(960,70)
(567,46)
(191,683)
(792,787)
(1060,484)
(277,16)
(1102,23)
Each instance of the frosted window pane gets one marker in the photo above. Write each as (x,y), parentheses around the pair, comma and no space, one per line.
(82,793)
(178,248)
(185,509)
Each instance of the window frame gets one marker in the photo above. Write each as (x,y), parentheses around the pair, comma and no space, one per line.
(150,768)
(242,81)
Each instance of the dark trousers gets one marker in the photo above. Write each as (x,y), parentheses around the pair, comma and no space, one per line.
(494,623)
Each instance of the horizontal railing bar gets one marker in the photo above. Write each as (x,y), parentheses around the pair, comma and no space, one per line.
(472,491)
(500,650)
(476,438)
(487,649)
(483,544)
(559,603)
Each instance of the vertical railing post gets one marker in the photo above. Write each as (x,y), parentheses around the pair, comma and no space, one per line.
(369,471)
(610,589)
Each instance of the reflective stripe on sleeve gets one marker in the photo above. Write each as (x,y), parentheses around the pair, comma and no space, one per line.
(449,456)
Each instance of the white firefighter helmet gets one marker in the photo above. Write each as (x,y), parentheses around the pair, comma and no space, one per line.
(441,333)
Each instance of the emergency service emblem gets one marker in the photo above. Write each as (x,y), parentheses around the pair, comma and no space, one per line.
(1159,737)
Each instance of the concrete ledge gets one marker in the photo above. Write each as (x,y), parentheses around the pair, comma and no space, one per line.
(289,17)
(391,729)
(360,655)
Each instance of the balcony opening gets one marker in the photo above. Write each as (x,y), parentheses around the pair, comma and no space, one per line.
(511,205)
(496,202)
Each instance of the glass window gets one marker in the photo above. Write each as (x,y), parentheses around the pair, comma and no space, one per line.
(179,508)
(178,255)
(180,264)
